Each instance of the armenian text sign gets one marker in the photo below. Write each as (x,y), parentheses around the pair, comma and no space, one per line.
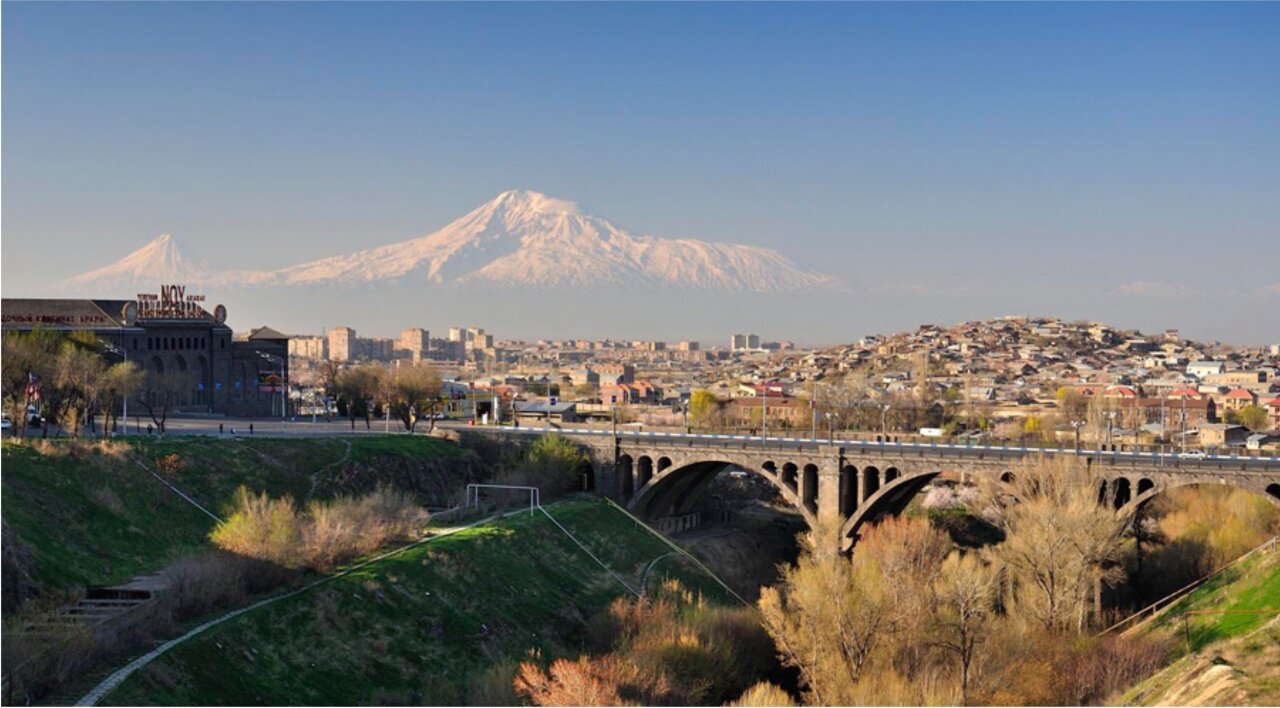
(173,302)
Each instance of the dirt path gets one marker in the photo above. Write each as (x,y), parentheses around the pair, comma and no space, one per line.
(315,476)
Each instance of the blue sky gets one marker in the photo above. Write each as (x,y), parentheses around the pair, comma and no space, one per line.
(1112,161)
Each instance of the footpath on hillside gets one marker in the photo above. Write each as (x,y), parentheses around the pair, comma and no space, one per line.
(425,623)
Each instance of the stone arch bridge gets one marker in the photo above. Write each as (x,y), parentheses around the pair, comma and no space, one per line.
(661,476)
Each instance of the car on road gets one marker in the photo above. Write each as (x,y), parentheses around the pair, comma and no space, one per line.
(438,416)
(1192,455)
(5,424)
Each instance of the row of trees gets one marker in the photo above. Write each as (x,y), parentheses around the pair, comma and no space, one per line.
(72,379)
(848,404)
(362,391)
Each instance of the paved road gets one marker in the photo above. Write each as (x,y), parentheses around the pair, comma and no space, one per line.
(941,449)
(303,427)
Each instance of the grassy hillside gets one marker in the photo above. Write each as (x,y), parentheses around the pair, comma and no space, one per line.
(78,513)
(422,627)
(1227,636)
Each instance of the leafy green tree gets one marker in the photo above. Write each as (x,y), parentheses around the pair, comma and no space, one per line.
(703,406)
(553,464)
(1252,417)
(26,355)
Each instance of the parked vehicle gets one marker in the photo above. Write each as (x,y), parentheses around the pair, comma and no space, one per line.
(1192,455)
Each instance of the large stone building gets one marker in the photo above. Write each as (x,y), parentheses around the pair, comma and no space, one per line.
(342,344)
(206,369)
(413,343)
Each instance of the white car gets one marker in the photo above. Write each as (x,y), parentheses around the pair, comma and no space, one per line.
(1192,455)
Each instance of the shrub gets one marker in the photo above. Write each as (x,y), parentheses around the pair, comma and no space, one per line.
(763,695)
(673,648)
(263,528)
(328,533)
(552,463)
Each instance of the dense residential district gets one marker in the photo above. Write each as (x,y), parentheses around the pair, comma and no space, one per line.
(1011,378)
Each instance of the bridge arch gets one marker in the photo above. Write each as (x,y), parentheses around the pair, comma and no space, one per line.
(626,476)
(644,471)
(848,490)
(809,488)
(870,482)
(790,476)
(889,499)
(1121,492)
(677,489)
(1150,489)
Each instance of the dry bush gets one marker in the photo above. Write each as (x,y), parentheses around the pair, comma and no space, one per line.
(600,681)
(344,528)
(1041,667)
(763,695)
(170,465)
(495,686)
(327,534)
(217,580)
(672,648)
(38,665)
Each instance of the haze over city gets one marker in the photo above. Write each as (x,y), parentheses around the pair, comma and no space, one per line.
(939,163)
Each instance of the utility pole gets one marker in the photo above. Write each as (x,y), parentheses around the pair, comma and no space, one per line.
(764,412)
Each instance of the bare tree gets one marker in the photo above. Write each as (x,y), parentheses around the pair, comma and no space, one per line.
(359,386)
(417,392)
(1060,543)
(161,391)
(830,615)
(962,614)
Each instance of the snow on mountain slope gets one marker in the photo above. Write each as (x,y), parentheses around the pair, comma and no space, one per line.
(521,238)
(527,238)
(159,261)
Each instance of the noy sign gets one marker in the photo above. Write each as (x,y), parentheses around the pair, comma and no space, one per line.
(172,303)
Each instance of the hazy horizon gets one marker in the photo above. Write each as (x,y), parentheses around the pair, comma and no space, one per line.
(944,162)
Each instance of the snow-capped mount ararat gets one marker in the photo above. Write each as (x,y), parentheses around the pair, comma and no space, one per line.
(159,261)
(524,238)
(528,238)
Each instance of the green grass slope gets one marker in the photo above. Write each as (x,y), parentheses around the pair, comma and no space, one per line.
(421,627)
(78,513)
(1227,641)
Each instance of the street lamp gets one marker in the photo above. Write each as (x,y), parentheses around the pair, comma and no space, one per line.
(1111,418)
(831,429)
(884,421)
(1077,424)
(124,354)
